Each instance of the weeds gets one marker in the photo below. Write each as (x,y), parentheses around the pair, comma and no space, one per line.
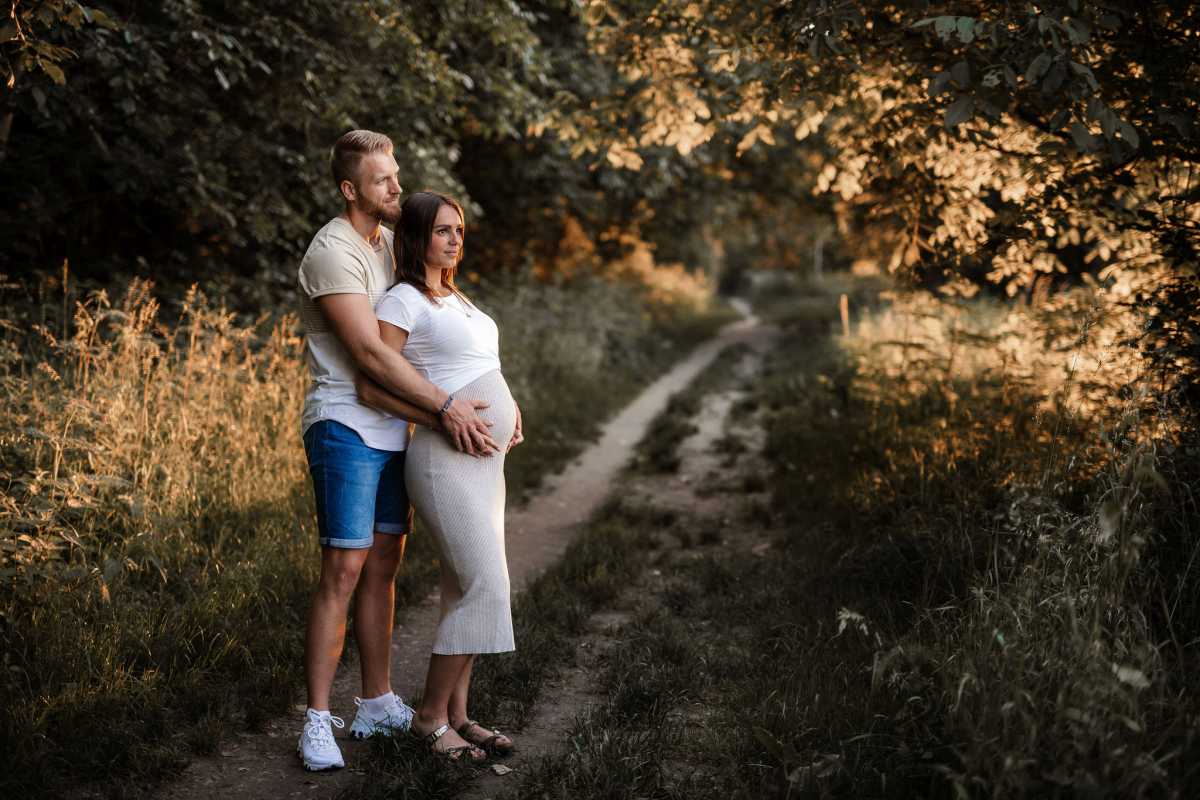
(986,587)
(547,617)
(997,519)
(157,546)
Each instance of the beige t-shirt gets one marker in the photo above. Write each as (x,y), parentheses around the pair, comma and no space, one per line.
(340,261)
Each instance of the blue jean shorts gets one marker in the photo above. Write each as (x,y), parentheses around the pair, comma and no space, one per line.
(359,489)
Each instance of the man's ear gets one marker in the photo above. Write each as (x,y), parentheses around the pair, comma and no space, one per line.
(348,191)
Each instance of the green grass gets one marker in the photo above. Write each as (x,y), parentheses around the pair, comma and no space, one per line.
(548,617)
(658,450)
(157,542)
(623,746)
(989,644)
(940,615)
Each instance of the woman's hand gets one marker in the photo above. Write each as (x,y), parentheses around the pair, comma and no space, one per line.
(518,435)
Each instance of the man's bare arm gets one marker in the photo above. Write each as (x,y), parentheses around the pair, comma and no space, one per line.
(353,322)
(375,396)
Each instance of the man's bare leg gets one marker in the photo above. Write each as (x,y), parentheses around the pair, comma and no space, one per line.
(326,633)
(375,613)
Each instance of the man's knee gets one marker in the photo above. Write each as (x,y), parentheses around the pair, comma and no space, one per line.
(384,558)
(340,570)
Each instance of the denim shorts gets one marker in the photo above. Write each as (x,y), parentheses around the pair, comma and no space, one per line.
(359,490)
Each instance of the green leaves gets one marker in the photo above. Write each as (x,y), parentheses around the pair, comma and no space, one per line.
(965,29)
(1082,137)
(960,111)
(53,70)
(213,121)
(1038,67)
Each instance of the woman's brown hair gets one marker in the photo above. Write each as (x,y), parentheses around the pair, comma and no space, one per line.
(414,232)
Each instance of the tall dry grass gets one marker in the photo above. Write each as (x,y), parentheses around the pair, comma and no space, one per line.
(157,539)
(160,423)
(155,531)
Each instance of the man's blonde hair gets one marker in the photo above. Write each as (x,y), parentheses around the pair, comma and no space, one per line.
(350,150)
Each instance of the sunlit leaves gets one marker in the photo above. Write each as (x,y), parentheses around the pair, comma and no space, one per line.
(25,37)
(623,156)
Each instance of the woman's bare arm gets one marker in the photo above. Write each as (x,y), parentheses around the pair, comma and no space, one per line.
(375,396)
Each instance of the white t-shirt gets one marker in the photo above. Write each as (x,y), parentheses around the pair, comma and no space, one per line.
(451,343)
(340,261)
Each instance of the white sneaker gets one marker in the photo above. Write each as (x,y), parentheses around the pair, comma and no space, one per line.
(395,718)
(317,748)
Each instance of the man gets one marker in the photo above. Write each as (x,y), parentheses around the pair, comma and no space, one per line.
(356,453)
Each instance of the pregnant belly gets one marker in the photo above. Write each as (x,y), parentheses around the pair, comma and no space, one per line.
(501,412)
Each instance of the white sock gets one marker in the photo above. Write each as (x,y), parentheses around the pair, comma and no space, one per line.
(376,706)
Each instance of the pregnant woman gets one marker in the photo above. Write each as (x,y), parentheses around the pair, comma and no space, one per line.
(460,498)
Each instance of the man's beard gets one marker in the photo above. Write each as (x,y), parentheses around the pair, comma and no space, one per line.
(388,214)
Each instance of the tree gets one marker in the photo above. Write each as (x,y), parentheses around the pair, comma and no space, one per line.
(194,136)
(949,119)
(968,144)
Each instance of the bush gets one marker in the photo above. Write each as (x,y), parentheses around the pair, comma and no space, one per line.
(1004,501)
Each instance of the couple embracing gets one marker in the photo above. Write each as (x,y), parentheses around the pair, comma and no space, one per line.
(389,340)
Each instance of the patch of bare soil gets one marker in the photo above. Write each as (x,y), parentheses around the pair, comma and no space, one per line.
(264,765)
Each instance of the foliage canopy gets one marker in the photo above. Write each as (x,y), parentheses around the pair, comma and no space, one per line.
(969,143)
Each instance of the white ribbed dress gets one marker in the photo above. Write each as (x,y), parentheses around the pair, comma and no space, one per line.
(460,498)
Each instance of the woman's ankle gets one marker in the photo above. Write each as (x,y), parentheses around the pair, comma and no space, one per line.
(430,720)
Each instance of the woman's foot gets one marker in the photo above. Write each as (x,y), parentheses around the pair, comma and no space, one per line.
(493,742)
(441,740)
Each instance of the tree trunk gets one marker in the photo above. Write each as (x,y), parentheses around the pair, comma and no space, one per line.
(819,255)
(7,121)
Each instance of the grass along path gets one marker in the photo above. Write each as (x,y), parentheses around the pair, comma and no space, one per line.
(565,616)
(151,576)
(263,765)
(863,630)
(624,720)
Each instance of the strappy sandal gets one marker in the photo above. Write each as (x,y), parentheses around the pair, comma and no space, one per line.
(450,753)
(489,744)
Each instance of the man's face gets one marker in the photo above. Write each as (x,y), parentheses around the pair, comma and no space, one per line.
(377,191)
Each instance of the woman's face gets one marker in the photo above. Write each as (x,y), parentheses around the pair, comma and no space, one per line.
(445,244)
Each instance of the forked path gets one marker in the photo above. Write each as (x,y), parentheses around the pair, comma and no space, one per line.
(265,766)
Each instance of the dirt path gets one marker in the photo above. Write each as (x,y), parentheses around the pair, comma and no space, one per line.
(265,765)
(705,486)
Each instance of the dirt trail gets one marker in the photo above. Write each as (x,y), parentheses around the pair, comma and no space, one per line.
(703,487)
(265,765)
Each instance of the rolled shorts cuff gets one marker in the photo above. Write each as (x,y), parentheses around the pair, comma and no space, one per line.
(393,528)
(346,544)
